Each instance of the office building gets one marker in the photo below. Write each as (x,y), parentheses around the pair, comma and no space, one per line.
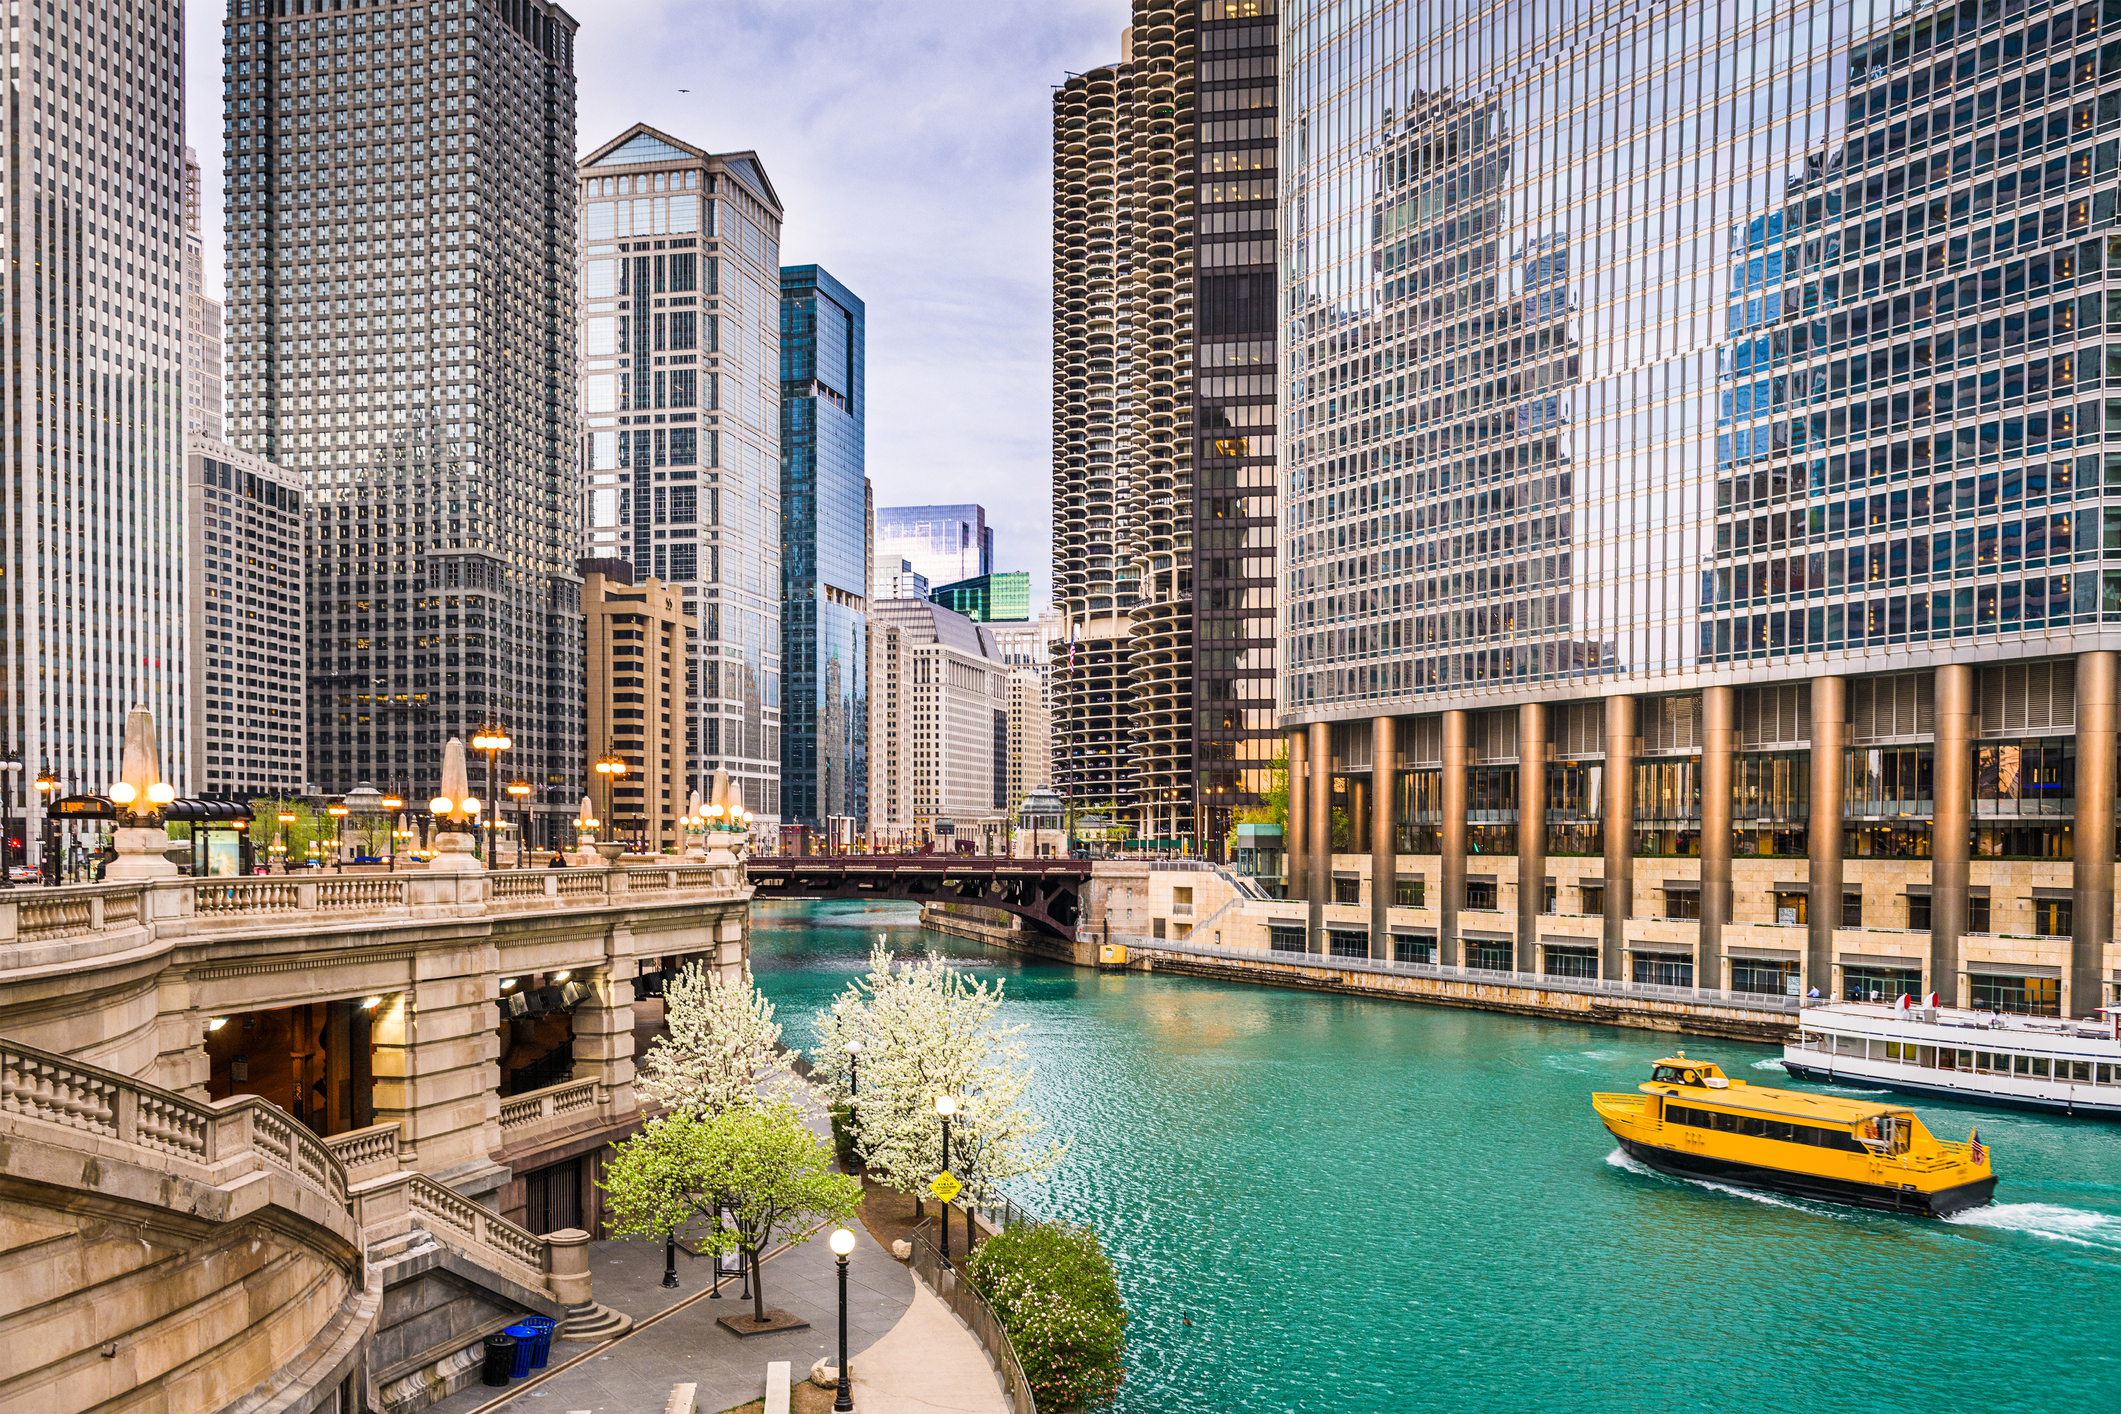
(679,463)
(243,571)
(944,544)
(202,321)
(902,582)
(638,637)
(92,351)
(939,733)
(401,333)
(1693,566)
(1004,597)
(1164,420)
(824,554)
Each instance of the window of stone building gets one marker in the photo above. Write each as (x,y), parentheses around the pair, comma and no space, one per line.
(1347,891)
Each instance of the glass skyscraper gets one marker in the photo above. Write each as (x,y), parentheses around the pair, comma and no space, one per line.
(825,551)
(1696,490)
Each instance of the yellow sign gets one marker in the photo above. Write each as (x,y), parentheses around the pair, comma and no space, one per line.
(946,1186)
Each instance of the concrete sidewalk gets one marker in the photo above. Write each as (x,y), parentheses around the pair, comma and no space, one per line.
(928,1364)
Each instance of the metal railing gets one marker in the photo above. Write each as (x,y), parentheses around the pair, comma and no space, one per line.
(1475,976)
(970,1307)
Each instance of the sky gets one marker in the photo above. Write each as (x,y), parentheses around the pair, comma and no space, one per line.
(912,148)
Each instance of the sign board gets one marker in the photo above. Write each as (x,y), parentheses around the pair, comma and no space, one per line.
(946,1186)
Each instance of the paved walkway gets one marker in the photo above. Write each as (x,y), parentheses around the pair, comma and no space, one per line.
(928,1364)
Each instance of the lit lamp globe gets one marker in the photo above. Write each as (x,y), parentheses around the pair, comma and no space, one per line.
(140,793)
(842,1243)
(455,807)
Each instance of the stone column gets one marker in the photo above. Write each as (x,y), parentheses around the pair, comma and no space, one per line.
(1719,739)
(1358,815)
(1321,816)
(1823,886)
(1384,835)
(1619,833)
(1452,840)
(1952,826)
(1531,830)
(2092,874)
(1296,845)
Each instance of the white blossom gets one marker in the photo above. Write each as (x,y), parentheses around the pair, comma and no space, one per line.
(721,1049)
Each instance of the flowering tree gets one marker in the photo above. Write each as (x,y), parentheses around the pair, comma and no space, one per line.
(722,1048)
(928,1029)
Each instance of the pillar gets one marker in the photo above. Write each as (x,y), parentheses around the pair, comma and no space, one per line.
(1358,814)
(2092,873)
(1619,833)
(1296,843)
(1951,824)
(1384,835)
(1719,739)
(1823,886)
(1452,840)
(1531,830)
(1321,845)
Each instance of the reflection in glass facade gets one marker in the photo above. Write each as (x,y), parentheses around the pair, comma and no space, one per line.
(824,554)
(1628,341)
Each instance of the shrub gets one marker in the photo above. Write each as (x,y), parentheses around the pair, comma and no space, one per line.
(843,1136)
(1054,1291)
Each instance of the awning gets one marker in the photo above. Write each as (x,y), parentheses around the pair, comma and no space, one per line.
(1973,891)
(1472,936)
(1579,944)
(1682,886)
(1892,964)
(2054,893)
(1764,954)
(1661,950)
(1977,968)
(205,810)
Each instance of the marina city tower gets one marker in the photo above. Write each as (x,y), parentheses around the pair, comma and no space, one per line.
(1696,492)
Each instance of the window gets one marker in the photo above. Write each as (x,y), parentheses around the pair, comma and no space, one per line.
(1182,901)
(1156,927)
(684,562)
(1852,909)
(1763,978)
(1594,900)
(684,446)
(1571,961)
(1342,942)
(684,501)
(2052,917)
(1977,913)
(2026,996)
(1286,938)
(1413,949)
(1410,893)
(1790,907)
(1682,903)
(1480,894)
(1918,912)
(1490,956)
(1347,891)
(1763,1128)
(1664,969)
(1879,984)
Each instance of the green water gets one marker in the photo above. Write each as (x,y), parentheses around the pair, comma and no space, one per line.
(1371,1206)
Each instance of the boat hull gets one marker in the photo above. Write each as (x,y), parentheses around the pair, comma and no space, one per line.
(1941,1203)
(2044,1104)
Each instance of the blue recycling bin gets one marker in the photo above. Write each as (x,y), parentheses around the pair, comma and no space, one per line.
(525,1339)
(541,1345)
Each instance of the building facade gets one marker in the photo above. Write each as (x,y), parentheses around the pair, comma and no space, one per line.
(1694,565)
(243,577)
(1027,650)
(944,544)
(825,552)
(400,215)
(1164,424)
(638,640)
(940,728)
(1001,597)
(92,349)
(679,461)
(202,321)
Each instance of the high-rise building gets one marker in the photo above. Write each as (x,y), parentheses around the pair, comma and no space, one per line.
(1027,651)
(680,460)
(202,321)
(1693,561)
(939,734)
(1164,419)
(825,552)
(1002,597)
(944,544)
(243,520)
(637,641)
(901,581)
(92,353)
(401,296)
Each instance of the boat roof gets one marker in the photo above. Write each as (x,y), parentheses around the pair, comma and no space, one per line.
(1826,1013)
(1804,1106)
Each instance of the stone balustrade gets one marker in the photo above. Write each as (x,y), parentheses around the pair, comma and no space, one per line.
(368,1153)
(526,1116)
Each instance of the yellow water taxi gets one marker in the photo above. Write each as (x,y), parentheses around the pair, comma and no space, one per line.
(1693,1121)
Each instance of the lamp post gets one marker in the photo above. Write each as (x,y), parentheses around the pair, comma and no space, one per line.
(393,803)
(843,1248)
(610,766)
(337,811)
(48,865)
(492,740)
(670,1258)
(521,791)
(945,1106)
(287,839)
(12,764)
(854,1083)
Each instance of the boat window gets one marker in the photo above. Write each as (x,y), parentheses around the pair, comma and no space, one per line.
(1669,1074)
(2107,1073)
(2079,1071)
(2040,1067)
(1900,1133)
(1762,1127)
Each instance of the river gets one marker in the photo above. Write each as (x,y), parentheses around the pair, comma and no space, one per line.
(1332,1203)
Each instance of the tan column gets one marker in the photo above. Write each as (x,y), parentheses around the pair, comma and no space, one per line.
(1321,814)
(1952,824)
(1823,888)
(1718,742)
(1358,814)
(1531,830)
(1296,843)
(1384,834)
(1451,840)
(1619,833)
(2092,874)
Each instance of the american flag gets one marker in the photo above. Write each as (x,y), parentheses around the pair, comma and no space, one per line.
(1976,1148)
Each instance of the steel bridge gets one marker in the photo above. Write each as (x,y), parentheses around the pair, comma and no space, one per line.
(1045,893)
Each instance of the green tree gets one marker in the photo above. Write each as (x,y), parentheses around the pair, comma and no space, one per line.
(265,827)
(1273,807)
(762,1163)
(1053,1289)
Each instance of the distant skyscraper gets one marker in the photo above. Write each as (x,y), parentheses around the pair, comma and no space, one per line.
(901,581)
(202,321)
(824,564)
(636,643)
(681,386)
(940,735)
(944,543)
(401,290)
(991,598)
(91,353)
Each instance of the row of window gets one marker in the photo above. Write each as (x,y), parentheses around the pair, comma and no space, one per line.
(1761,1127)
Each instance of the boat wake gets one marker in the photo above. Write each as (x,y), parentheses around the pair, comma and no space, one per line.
(1621,1159)
(2051,1221)
(1772,1063)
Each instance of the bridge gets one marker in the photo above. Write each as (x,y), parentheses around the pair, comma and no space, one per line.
(1045,893)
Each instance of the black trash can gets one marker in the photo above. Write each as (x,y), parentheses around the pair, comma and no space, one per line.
(500,1359)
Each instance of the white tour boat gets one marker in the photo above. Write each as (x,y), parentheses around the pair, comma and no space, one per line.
(1979,1057)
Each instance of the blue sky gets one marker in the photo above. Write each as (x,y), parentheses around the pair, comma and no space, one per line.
(912,148)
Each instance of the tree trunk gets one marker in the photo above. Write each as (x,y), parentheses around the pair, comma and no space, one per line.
(758,1290)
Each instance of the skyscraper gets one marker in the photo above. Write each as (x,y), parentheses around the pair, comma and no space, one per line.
(202,321)
(1164,419)
(401,296)
(1696,558)
(92,352)
(944,544)
(1001,597)
(824,559)
(681,386)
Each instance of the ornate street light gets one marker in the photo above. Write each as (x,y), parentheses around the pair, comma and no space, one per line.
(842,1244)
(610,766)
(394,804)
(338,812)
(493,740)
(521,791)
(945,1106)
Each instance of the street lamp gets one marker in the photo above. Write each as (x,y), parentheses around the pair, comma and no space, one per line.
(492,740)
(393,803)
(842,1243)
(12,764)
(521,791)
(287,839)
(854,1083)
(670,1257)
(48,787)
(610,766)
(945,1106)
(337,811)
